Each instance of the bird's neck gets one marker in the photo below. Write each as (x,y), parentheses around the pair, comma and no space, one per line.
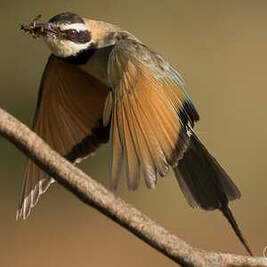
(81,58)
(93,61)
(96,64)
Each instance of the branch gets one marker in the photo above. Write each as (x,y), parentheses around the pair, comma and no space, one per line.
(95,195)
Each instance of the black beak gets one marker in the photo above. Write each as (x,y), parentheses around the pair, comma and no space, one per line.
(37,30)
(41,28)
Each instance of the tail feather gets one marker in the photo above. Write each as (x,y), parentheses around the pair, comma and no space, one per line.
(205,184)
(230,218)
(201,176)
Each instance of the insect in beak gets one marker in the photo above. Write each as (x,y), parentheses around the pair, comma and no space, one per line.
(37,30)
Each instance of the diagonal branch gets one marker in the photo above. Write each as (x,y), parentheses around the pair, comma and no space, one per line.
(95,195)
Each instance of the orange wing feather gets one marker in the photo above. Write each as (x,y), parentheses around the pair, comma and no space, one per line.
(146,127)
(69,118)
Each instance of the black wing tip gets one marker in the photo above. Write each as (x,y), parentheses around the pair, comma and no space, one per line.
(230,218)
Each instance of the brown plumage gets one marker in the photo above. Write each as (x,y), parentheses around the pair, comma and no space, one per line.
(70,121)
(103,82)
(145,123)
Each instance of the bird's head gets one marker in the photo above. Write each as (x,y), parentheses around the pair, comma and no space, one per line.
(67,34)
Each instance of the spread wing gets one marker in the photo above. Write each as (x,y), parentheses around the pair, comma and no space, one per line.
(69,118)
(151,115)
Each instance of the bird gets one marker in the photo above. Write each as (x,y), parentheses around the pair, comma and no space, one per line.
(101,84)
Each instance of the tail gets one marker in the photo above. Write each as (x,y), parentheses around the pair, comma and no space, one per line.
(230,218)
(206,185)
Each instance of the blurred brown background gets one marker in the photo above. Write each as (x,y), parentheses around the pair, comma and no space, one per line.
(220,49)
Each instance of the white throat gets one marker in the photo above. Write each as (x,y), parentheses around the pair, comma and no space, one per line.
(64,48)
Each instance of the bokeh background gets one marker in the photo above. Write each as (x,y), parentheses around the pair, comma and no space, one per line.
(220,49)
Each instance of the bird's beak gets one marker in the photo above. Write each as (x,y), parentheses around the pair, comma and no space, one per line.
(38,30)
(41,28)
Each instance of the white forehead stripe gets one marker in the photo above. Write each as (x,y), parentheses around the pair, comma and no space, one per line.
(77,26)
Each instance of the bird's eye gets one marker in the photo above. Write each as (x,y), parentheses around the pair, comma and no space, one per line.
(72,33)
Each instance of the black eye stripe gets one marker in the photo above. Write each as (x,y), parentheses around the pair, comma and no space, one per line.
(78,37)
